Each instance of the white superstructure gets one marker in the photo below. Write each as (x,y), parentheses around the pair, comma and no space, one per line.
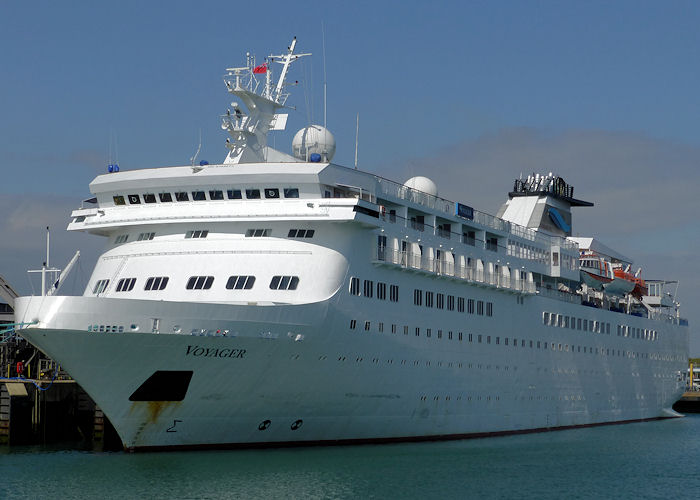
(284,299)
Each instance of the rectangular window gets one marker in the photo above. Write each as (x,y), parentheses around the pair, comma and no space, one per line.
(134,199)
(405,330)
(478,339)
(450,303)
(367,325)
(394,293)
(272,193)
(165,197)
(428,332)
(284,283)
(240,282)
(216,195)
(498,340)
(200,233)
(480,307)
(488,339)
(428,299)
(146,236)
(300,233)
(470,337)
(156,283)
(368,288)
(121,239)
(380,327)
(199,283)
(440,303)
(578,323)
(417,332)
(449,335)
(418,297)
(393,328)
(234,194)
(198,196)
(439,334)
(489,309)
(149,198)
(252,194)
(381,290)
(182,196)
(119,200)
(572,322)
(470,306)
(257,233)
(355,286)
(460,304)
(291,192)
(353,324)
(585,325)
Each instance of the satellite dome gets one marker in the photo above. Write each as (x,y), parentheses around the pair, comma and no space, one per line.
(422,184)
(311,140)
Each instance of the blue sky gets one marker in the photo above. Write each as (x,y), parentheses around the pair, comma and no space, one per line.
(471,94)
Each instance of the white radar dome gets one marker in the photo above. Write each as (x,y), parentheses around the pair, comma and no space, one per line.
(314,143)
(422,184)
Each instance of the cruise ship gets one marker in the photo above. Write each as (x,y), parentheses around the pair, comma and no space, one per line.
(278,299)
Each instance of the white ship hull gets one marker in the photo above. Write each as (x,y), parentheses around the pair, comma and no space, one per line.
(304,378)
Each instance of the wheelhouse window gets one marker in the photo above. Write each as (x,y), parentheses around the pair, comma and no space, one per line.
(216,195)
(121,239)
(165,197)
(199,283)
(119,200)
(198,196)
(134,199)
(156,283)
(272,193)
(284,282)
(240,282)
(182,196)
(126,284)
(234,194)
(291,192)
(149,198)
(252,194)
(146,236)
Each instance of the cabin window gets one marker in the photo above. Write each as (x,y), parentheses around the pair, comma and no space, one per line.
(252,194)
(126,284)
(284,282)
(394,293)
(353,324)
(149,198)
(121,239)
(257,233)
(272,193)
(146,236)
(100,286)
(134,199)
(119,200)
(429,299)
(197,234)
(355,286)
(234,194)
(240,282)
(480,307)
(470,306)
(216,194)
(156,283)
(440,301)
(450,303)
(200,283)
(291,192)
(182,196)
(198,196)
(368,288)
(489,309)
(418,297)
(301,233)
(381,291)
(460,304)
(165,197)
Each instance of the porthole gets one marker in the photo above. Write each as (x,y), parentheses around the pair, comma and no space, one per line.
(296,424)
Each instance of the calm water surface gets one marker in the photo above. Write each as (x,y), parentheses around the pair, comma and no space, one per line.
(646,460)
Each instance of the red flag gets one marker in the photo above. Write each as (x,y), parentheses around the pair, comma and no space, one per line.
(260,69)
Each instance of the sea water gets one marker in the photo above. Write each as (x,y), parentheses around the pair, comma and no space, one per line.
(659,459)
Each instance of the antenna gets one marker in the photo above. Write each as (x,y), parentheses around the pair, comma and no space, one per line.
(357,137)
(325,85)
(196,153)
